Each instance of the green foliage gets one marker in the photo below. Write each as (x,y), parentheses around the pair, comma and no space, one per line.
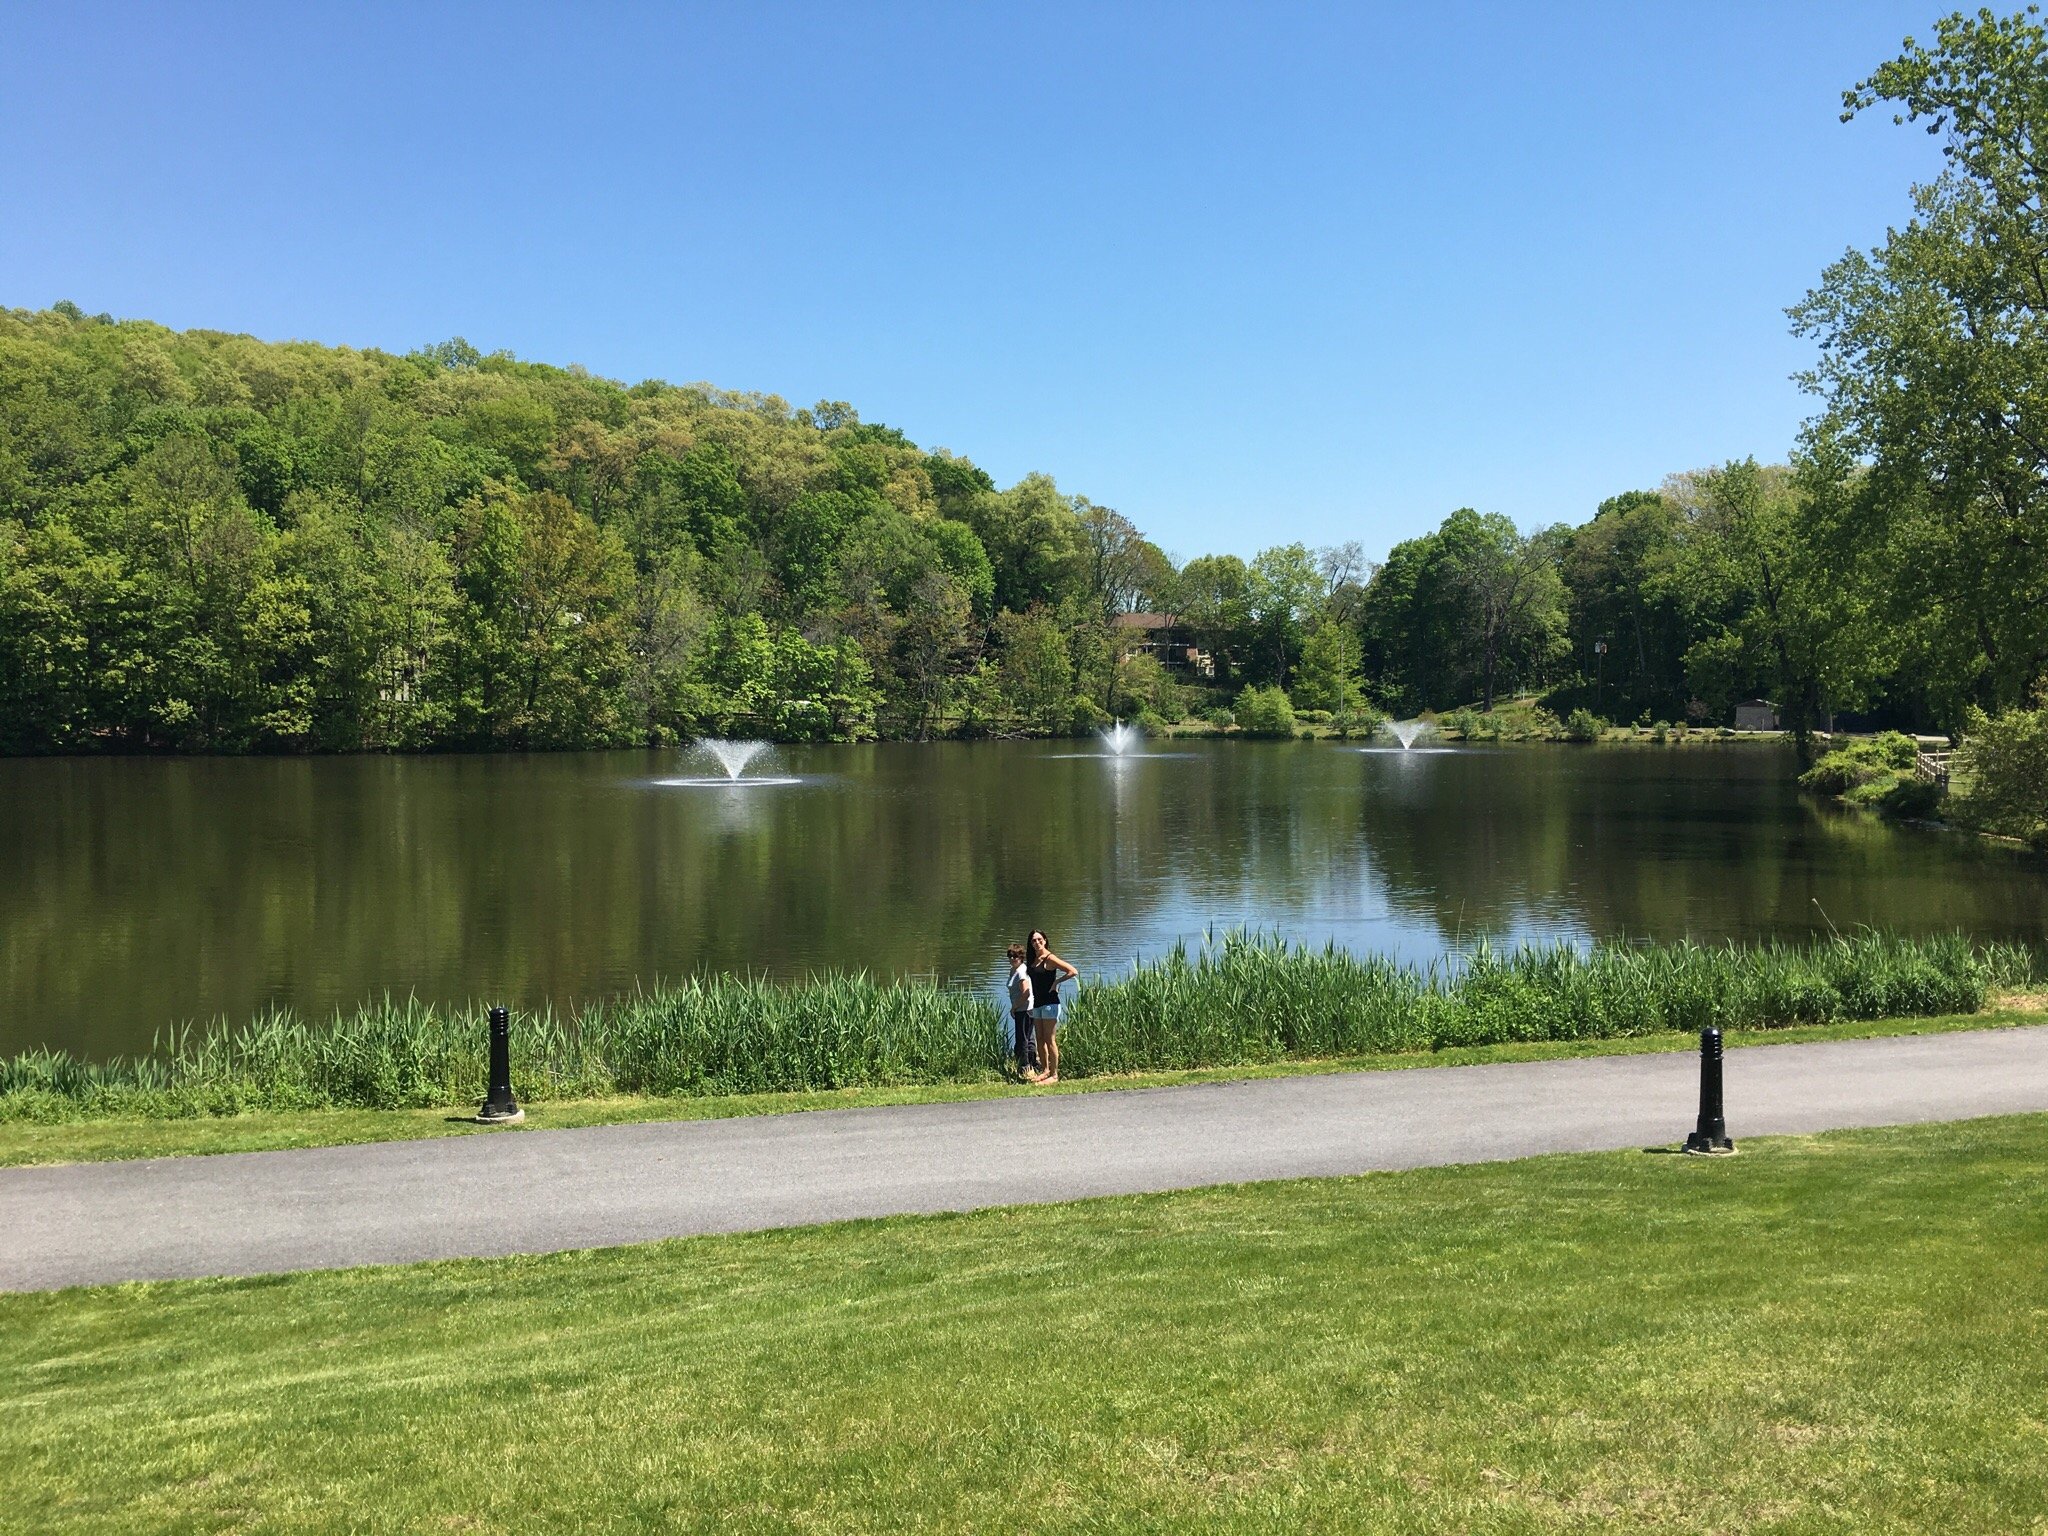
(1899,795)
(1843,769)
(208,543)
(1220,717)
(1215,606)
(1088,716)
(1476,607)
(1327,678)
(2000,773)
(754,678)
(1143,684)
(1512,720)
(1264,712)
(1623,574)
(1877,773)
(1359,723)
(1584,725)
(1036,670)
(1242,999)
(1933,375)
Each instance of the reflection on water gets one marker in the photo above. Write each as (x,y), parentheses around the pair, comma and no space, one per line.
(139,892)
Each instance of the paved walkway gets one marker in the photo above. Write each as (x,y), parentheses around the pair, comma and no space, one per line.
(540,1191)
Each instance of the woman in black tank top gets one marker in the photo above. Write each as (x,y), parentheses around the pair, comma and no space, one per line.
(1046,971)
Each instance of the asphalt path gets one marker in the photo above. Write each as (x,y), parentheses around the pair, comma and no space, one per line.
(543,1191)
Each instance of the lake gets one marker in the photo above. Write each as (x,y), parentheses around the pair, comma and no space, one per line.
(138,892)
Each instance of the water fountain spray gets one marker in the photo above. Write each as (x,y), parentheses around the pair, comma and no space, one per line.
(1408,732)
(1122,738)
(733,756)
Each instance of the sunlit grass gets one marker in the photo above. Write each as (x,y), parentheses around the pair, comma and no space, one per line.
(1845,1333)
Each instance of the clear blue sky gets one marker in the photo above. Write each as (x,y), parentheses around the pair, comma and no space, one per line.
(1247,273)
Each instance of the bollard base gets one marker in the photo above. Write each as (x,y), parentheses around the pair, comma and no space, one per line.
(489,1116)
(1697,1145)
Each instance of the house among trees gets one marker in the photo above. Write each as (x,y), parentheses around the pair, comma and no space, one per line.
(1164,636)
(1756,715)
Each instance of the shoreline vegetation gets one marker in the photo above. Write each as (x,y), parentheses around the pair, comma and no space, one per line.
(1236,1001)
(1995,783)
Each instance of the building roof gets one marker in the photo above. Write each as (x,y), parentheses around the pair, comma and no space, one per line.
(1146,620)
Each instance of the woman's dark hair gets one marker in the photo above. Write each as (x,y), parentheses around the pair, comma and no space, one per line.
(1038,934)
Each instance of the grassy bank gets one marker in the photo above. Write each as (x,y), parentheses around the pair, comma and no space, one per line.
(1239,1002)
(1844,1333)
(103,1138)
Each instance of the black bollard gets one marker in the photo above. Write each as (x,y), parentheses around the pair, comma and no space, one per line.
(1710,1136)
(500,1108)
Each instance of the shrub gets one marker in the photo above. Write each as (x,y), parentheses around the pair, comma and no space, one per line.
(1151,724)
(1846,768)
(1901,795)
(1877,773)
(1314,716)
(1895,749)
(1088,716)
(1358,724)
(1660,732)
(1221,718)
(1584,725)
(1265,712)
(2000,773)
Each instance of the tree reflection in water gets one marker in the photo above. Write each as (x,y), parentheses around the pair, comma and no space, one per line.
(143,891)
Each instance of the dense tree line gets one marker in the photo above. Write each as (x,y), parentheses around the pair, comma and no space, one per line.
(216,544)
(210,543)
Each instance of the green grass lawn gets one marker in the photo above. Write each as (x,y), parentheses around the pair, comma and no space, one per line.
(103,1139)
(1841,1333)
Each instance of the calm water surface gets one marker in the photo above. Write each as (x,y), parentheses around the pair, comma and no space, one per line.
(138,892)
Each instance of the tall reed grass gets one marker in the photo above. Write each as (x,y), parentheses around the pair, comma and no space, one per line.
(1235,1000)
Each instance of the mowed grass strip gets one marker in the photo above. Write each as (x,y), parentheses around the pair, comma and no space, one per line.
(1837,1333)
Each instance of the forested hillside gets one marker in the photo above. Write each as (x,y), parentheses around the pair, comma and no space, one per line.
(211,543)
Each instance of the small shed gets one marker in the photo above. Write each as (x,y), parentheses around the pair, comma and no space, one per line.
(1756,715)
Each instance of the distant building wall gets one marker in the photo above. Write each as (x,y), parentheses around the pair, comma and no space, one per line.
(1756,715)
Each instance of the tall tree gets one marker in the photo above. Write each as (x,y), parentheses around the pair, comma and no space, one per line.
(1215,606)
(1121,567)
(1283,592)
(1328,675)
(1933,364)
(1509,590)
(1620,571)
(1775,613)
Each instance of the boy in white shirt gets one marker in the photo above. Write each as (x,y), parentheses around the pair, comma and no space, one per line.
(1020,1012)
